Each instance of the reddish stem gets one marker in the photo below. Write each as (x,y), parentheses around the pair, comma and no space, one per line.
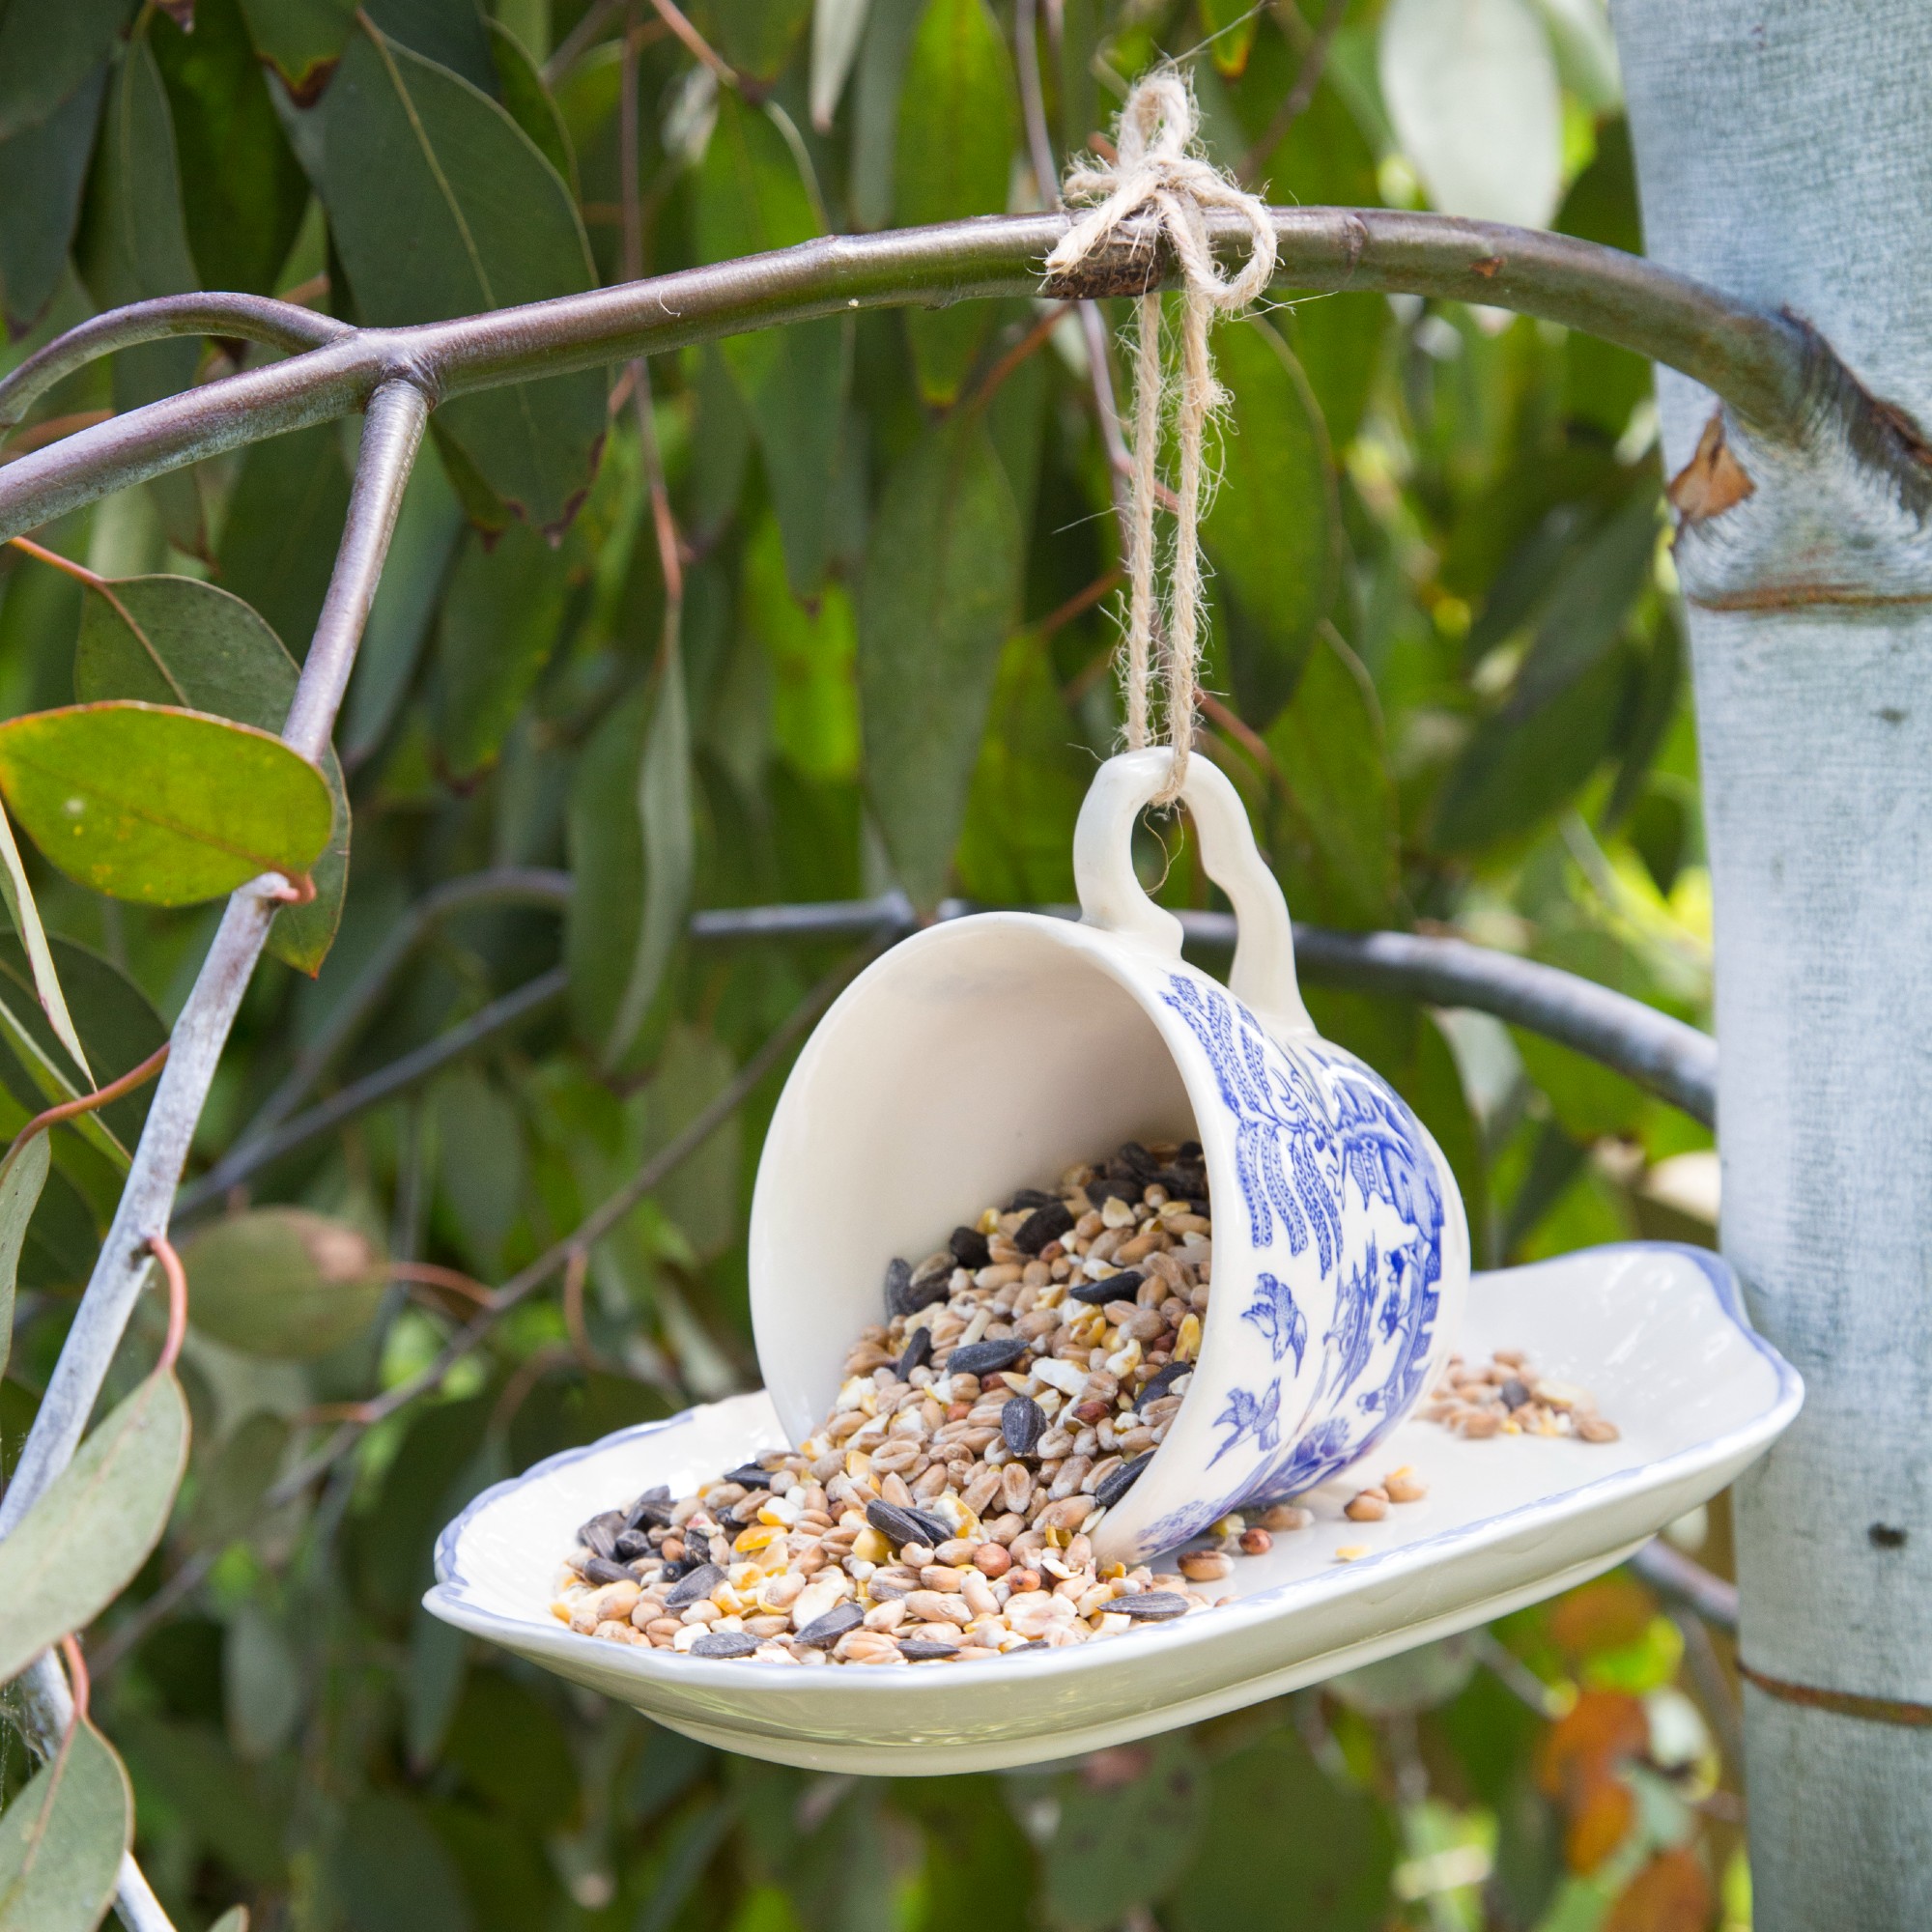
(176,1276)
(86,1103)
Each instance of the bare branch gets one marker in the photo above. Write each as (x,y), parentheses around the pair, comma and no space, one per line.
(397,413)
(1663,1054)
(1780,377)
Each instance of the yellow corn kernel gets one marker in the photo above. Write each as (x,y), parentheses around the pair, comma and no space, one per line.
(1187,1339)
(869,1547)
(757,1536)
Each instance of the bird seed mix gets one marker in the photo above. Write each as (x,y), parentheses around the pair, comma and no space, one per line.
(942,1512)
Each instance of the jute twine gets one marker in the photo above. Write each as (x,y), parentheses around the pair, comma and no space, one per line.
(1160,168)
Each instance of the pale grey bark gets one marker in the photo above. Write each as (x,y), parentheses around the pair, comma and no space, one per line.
(1783,155)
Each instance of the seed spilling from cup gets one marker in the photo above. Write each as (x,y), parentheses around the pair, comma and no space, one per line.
(942,1511)
(1505,1396)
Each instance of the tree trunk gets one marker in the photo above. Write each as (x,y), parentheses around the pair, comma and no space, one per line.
(1784,155)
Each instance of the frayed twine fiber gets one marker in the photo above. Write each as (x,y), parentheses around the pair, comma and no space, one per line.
(1159,169)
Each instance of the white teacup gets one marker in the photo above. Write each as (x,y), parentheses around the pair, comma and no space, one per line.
(988,1053)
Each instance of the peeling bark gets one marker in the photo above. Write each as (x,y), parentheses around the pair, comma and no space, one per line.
(1713,482)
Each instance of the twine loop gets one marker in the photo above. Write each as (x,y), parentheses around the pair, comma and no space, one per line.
(1160,168)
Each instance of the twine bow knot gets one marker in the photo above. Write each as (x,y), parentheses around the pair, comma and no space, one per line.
(1160,168)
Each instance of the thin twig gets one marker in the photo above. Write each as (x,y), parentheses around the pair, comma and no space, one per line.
(589,1232)
(673,17)
(99,586)
(1082,600)
(430,1274)
(38,435)
(1031,343)
(176,1277)
(1294,103)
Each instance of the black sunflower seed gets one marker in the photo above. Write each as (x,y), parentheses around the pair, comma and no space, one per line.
(901,1526)
(822,1632)
(603,1570)
(898,1279)
(693,1584)
(1152,1606)
(918,1649)
(1027,1200)
(1113,1487)
(599,1535)
(1105,1187)
(1515,1393)
(631,1545)
(651,1510)
(750,1475)
(906,1293)
(1163,1382)
(1043,1224)
(987,1358)
(1122,1287)
(968,1248)
(1022,1423)
(1132,1161)
(725,1643)
(918,1353)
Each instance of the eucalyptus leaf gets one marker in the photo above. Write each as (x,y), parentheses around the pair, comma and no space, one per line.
(161,805)
(81,1544)
(940,584)
(63,1837)
(42,170)
(1274,529)
(814,697)
(1016,845)
(234,1920)
(1328,1873)
(755,36)
(285,520)
(750,198)
(18,893)
(284,1282)
(440,205)
(300,39)
(117,1021)
(229,1491)
(45,53)
(1471,87)
(958,120)
(664,807)
(1231,26)
(502,619)
(23,1176)
(1120,1844)
(528,101)
(451,33)
(1522,763)
(241,220)
(838,26)
(133,244)
(263,1678)
(1334,836)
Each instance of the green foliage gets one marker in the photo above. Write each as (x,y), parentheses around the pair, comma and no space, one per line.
(156,804)
(79,1546)
(63,1837)
(939,567)
(1451,682)
(282,1281)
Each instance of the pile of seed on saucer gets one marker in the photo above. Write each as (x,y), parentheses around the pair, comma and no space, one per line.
(944,1509)
(1505,1396)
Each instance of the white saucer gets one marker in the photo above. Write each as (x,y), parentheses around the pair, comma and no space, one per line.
(1657,1332)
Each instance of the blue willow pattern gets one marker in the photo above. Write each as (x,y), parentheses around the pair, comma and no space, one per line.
(1298,1149)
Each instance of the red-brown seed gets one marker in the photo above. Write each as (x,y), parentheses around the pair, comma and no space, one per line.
(1256,1543)
(990,1560)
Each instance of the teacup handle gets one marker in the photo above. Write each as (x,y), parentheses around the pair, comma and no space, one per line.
(1111,898)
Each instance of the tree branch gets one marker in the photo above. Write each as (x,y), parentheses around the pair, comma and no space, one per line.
(1779,376)
(1663,1054)
(390,436)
